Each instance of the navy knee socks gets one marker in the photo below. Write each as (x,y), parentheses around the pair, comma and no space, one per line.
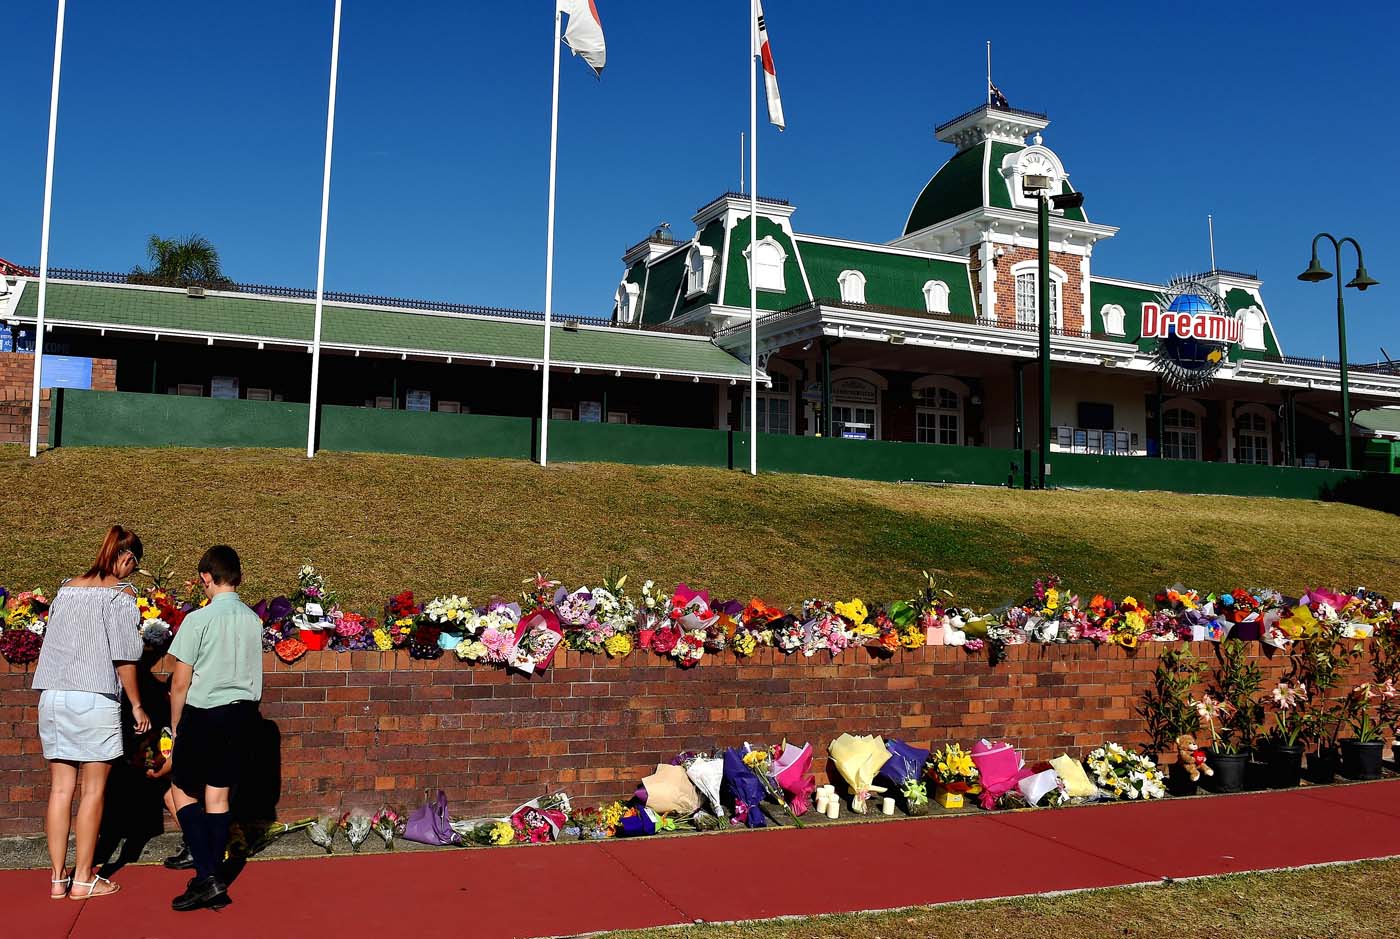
(192,823)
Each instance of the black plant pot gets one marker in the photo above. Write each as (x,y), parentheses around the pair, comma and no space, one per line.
(1362,760)
(1322,765)
(1229,771)
(1285,766)
(1179,783)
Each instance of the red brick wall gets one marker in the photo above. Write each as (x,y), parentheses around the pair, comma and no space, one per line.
(1072,302)
(382,727)
(17,389)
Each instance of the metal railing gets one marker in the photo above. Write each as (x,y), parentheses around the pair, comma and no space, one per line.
(765,200)
(1019,112)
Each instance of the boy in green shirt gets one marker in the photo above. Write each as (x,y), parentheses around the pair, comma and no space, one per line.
(214,695)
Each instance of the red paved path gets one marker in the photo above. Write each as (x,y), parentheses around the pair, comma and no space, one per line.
(580,888)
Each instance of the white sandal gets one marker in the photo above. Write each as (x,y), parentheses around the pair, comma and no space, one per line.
(67,882)
(91,886)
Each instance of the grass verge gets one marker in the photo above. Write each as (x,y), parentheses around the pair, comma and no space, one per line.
(377,524)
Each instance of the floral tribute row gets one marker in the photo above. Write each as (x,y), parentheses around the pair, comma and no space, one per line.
(523,632)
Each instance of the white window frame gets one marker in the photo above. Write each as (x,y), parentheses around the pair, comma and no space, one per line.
(1251,328)
(1196,431)
(771,266)
(1114,319)
(877,381)
(699,264)
(626,301)
(936,297)
(1264,415)
(930,406)
(852,286)
(1058,280)
(782,391)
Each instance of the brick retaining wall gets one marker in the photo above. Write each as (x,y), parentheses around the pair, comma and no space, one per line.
(382,727)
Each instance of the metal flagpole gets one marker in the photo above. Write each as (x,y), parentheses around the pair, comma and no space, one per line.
(549,241)
(44,240)
(753,239)
(1210,224)
(989,71)
(321,253)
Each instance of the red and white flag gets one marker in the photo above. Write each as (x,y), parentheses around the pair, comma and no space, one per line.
(584,34)
(770,77)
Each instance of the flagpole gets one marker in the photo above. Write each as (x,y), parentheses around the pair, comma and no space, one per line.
(989,71)
(44,240)
(753,239)
(321,251)
(549,242)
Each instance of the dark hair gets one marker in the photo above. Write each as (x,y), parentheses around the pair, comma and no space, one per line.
(119,540)
(221,563)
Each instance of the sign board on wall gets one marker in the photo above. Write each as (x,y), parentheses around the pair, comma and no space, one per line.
(66,371)
(223,386)
(590,412)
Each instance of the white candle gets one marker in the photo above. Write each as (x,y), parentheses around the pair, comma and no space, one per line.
(887,806)
(833,809)
(822,803)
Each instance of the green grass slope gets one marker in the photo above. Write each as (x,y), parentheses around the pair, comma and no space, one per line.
(377,524)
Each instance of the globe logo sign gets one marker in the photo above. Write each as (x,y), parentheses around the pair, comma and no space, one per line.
(1193,329)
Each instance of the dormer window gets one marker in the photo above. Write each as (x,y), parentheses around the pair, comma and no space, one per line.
(699,262)
(625,302)
(1251,328)
(936,297)
(852,284)
(767,272)
(1113,316)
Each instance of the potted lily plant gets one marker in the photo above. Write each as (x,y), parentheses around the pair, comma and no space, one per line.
(1171,713)
(1236,684)
(1289,706)
(1319,661)
(1361,752)
(1224,755)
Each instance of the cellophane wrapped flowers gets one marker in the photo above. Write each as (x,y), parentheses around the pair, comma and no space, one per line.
(1125,775)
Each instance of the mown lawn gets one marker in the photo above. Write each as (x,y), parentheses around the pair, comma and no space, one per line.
(1355,901)
(378,524)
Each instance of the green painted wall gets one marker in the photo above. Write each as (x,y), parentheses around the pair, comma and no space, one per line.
(884,460)
(736,285)
(573,441)
(129,419)
(427,433)
(1073,470)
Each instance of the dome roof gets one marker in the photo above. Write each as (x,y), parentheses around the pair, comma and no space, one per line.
(1190,303)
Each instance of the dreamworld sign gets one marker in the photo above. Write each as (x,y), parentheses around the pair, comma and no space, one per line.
(1189,317)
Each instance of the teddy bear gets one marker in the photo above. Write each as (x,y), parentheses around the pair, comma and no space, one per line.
(1192,757)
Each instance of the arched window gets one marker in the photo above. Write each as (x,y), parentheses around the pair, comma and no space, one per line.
(852,284)
(1253,440)
(936,297)
(855,403)
(699,262)
(1113,317)
(1251,328)
(625,302)
(1181,434)
(938,411)
(1027,276)
(771,258)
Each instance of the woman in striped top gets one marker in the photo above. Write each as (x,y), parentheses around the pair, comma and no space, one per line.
(89,655)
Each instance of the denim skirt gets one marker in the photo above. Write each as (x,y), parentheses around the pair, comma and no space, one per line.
(81,726)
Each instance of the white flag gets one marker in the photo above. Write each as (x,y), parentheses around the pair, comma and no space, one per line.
(584,34)
(770,77)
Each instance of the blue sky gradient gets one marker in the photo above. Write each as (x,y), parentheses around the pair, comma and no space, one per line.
(205,117)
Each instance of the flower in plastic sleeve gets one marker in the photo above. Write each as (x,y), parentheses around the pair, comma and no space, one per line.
(618,645)
(356,826)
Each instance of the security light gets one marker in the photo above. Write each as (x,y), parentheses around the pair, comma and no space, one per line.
(1068,200)
(1032,185)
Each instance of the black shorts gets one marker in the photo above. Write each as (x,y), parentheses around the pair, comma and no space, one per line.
(212,745)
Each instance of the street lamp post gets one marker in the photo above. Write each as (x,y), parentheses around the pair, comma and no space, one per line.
(1316,273)
(1039,187)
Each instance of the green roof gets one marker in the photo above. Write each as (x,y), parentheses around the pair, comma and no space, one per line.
(1237,299)
(1384,419)
(663,280)
(736,278)
(891,279)
(376,329)
(956,188)
(1131,299)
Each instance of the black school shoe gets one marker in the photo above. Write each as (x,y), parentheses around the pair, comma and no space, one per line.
(181,860)
(202,892)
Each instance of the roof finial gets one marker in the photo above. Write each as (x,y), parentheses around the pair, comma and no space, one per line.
(1037,138)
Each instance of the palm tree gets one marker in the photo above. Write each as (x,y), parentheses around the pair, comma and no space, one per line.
(192,261)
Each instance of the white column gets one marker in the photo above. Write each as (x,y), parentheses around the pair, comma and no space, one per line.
(44,238)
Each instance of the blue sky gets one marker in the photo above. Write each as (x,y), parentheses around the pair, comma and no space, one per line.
(1279,118)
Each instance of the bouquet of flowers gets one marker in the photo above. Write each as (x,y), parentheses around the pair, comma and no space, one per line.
(824,630)
(28,609)
(539,593)
(1131,623)
(905,769)
(707,774)
(669,789)
(653,612)
(1125,775)
(276,615)
(20,646)
(322,830)
(354,632)
(858,760)
(388,824)
(955,773)
(356,825)
(536,639)
(791,769)
(616,614)
(745,790)
(249,840)
(423,642)
(448,612)
(401,615)
(1099,620)
(760,760)
(311,588)
(534,822)
(789,635)
(491,634)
